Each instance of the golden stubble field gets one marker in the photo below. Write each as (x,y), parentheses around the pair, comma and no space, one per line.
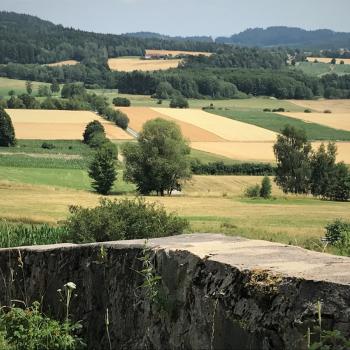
(63,63)
(335,106)
(58,125)
(177,53)
(132,64)
(334,120)
(328,60)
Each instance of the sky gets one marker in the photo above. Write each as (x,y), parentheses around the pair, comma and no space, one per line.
(186,17)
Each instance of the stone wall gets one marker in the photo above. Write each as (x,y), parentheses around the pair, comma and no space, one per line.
(215,292)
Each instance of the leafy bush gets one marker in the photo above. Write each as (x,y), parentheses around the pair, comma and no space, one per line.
(265,190)
(47,145)
(29,329)
(338,234)
(123,219)
(266,110)
(281,109)
(327,111)
(178,102)
(91,129)
(97,140)
(121,102)
(307,111)
(118,117)
(252,191)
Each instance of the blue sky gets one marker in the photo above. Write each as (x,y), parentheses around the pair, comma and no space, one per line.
(187,17)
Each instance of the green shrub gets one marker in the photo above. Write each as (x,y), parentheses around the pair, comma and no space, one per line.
(327,111)
(266,110)
(307,111)
(338,235)
(91,129)
(178,102)
(121,102)
(252,191)
(265,190)
(97,140)
(29,329)
(123,219)
(47,145)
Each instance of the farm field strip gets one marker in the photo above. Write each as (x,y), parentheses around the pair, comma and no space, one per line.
(334,120)
(258,151)
(139,115)
(228,129)
(328,60)
(59,125)
(335,106)
(176,52)
(132,64)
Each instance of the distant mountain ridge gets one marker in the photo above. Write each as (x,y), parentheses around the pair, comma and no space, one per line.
(289,36)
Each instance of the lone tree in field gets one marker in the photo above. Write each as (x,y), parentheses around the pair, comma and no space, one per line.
(265,189)
(93,128)
(102,168)
(159,160)
(29,87)
(292,151)
(7,132)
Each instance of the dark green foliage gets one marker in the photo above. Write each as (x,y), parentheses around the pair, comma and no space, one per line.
(118,117)
(7,132)
(73,91)
(29,87)
(178,101)
(97,140)
(15,103)
(47,145)
(164,91)
(102,168)
(55,87)
(252,191)
(265,189)
(323,166)
(92,128)
(29,101)
(44,91)
(339,188)
(338,231)
(30,329)
(123,219)
(292,151)
(121,102)
(221,168)
(159,160)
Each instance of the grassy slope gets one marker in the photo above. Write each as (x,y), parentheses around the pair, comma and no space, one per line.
(212,204)
(319,69)
(17,85)
(276,122)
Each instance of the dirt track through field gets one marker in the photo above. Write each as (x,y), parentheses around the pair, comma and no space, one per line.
(58,125)
(139,115)
(333,120)
(228,129)
(132,64)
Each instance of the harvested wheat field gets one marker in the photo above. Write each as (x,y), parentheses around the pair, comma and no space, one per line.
(258,151)
(328,60)
(139,115)
(132,64)
(176,53)
(58,125)
(228,129)
(63,63)
(336,106)
(333,120)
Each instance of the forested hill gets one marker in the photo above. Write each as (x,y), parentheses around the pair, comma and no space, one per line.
(151,35)
(291,37)
(28,39)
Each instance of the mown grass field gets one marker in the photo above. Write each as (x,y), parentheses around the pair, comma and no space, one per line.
(18,86)
(211,204)
(319,69)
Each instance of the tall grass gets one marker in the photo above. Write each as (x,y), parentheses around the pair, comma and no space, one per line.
(16,235)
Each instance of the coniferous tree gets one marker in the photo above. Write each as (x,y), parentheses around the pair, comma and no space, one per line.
(7,132)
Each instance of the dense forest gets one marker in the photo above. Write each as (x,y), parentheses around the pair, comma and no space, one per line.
(28,39)
(231,72)
(289,37)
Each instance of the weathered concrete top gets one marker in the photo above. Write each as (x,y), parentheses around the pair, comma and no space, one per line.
(244,254)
